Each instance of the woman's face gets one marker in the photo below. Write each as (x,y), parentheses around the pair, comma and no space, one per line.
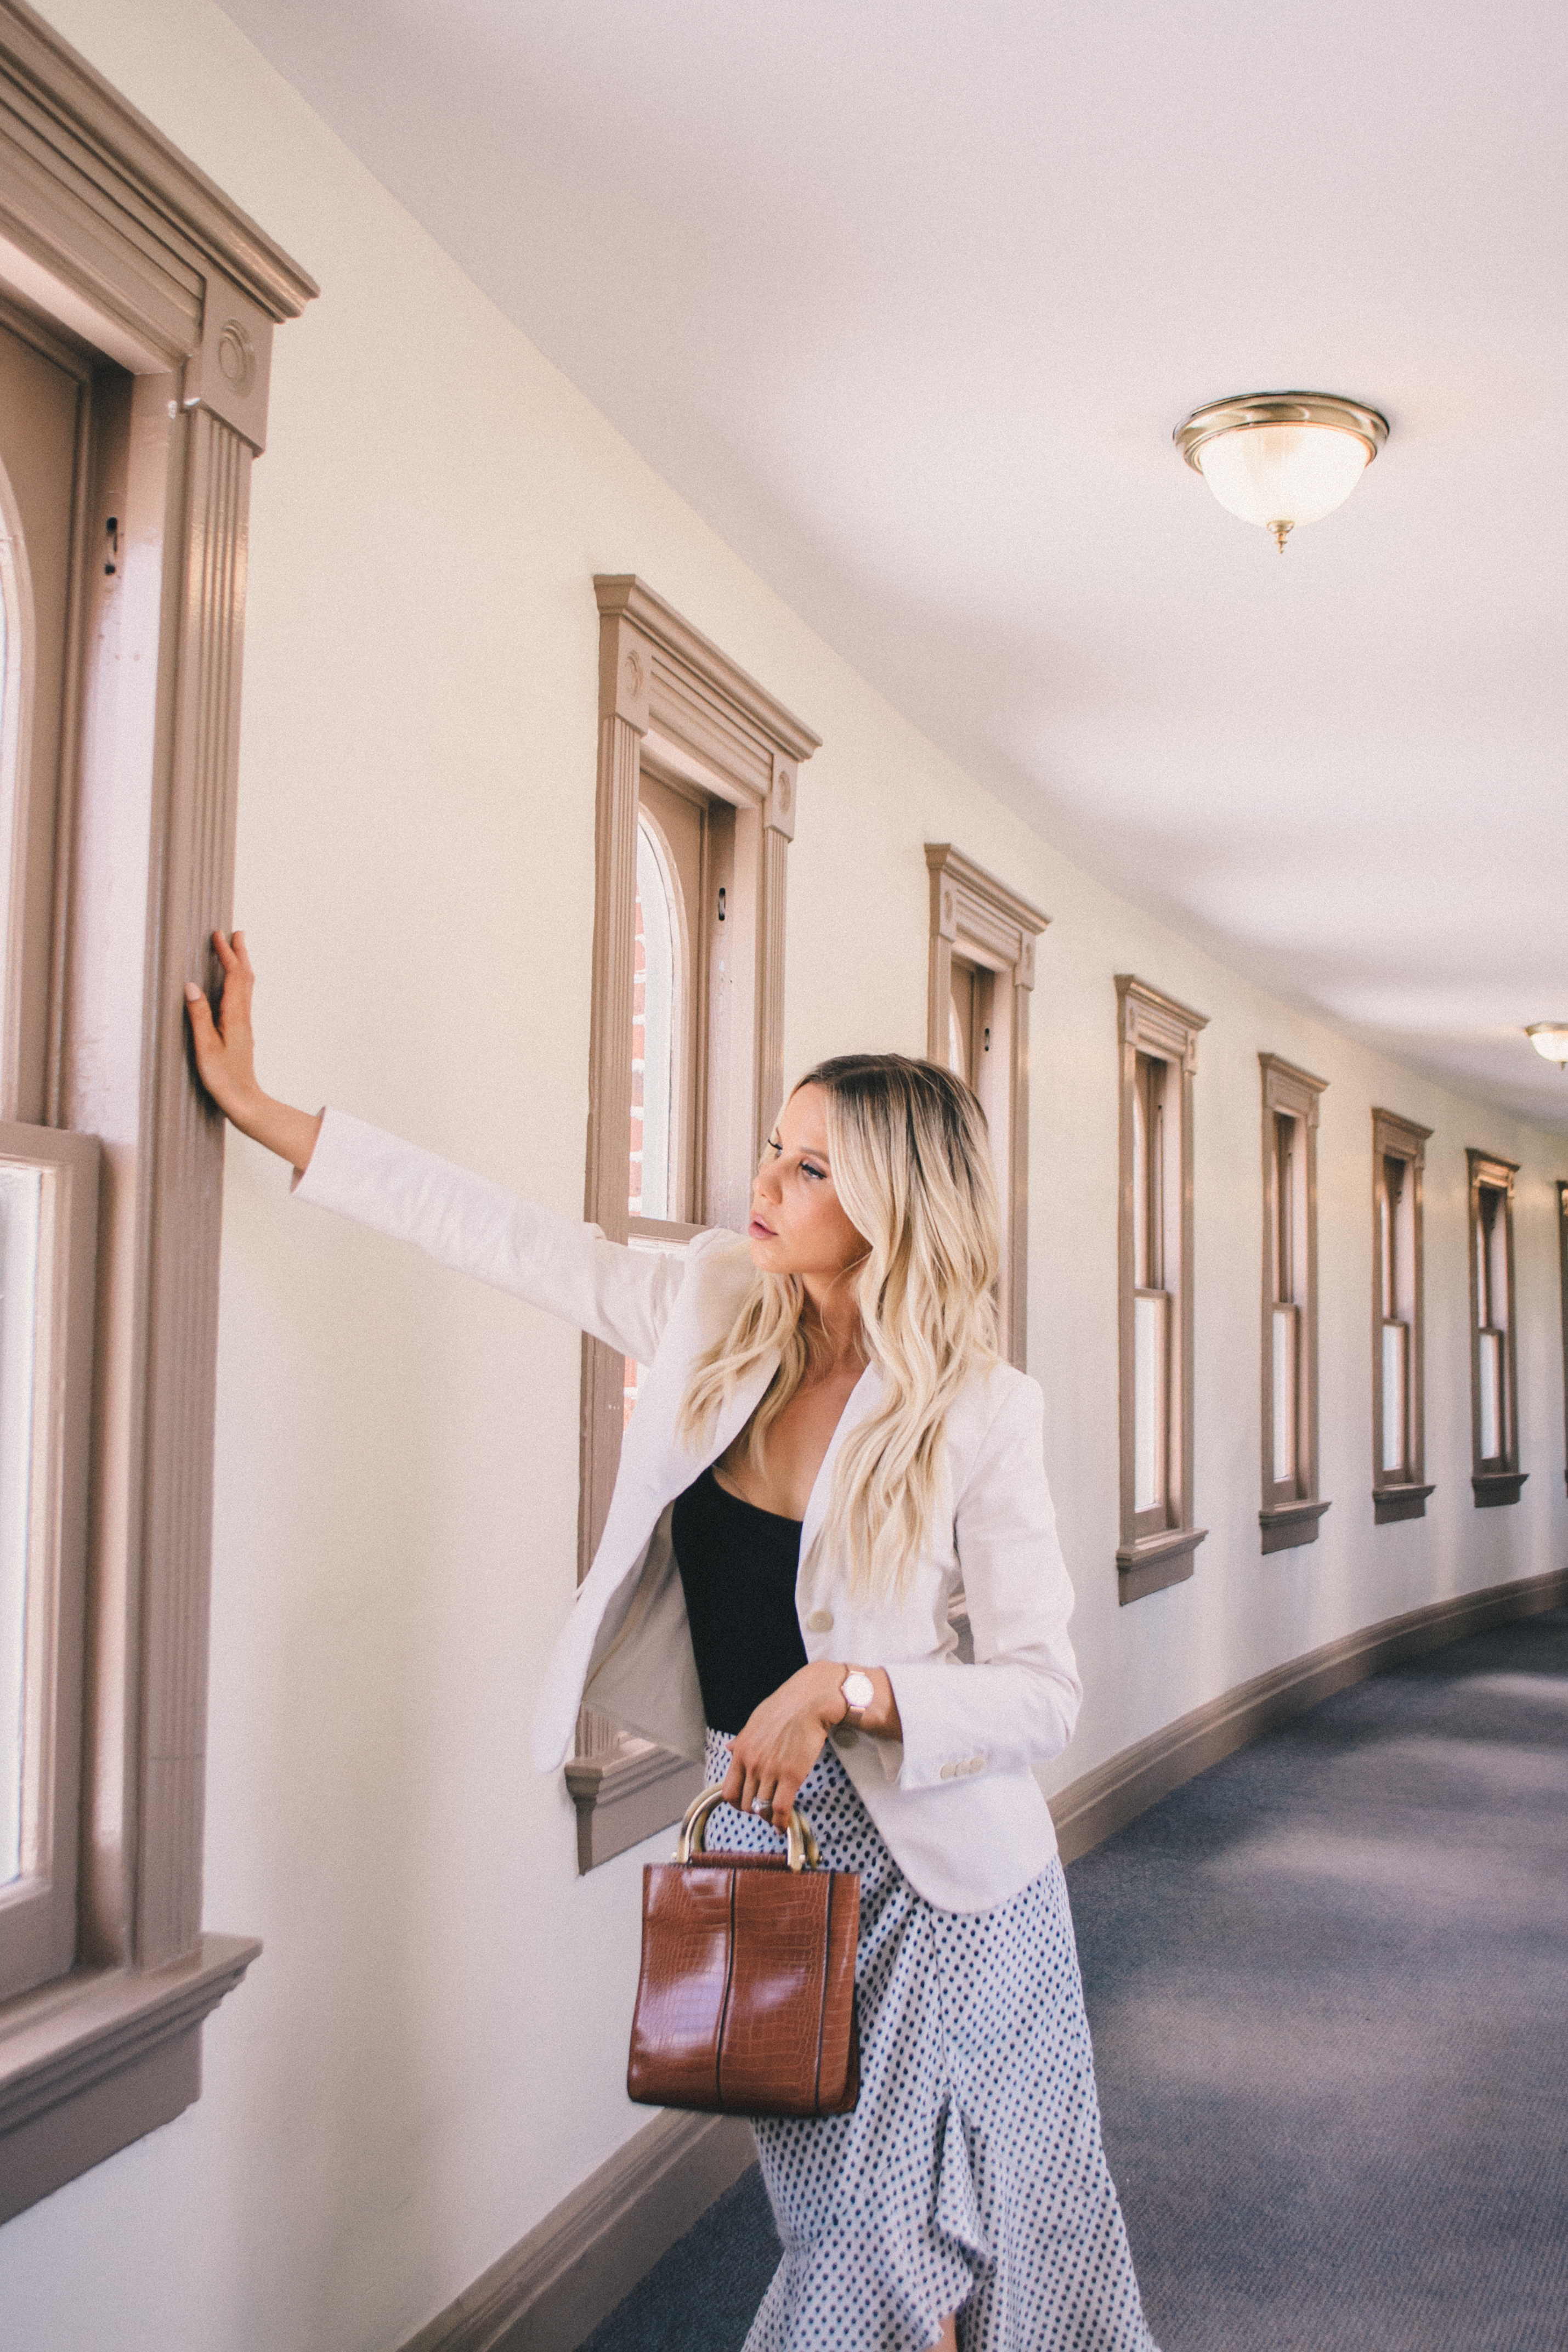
(796,1223)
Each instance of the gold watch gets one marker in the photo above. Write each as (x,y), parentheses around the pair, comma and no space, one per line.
(859,1690)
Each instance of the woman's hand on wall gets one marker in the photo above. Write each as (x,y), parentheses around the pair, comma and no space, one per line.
(783,1737)
(226,1061)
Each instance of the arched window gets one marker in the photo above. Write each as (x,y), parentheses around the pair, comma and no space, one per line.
(980,975)
(656,1029)
(46,1181)
(696,785)
(18,1281)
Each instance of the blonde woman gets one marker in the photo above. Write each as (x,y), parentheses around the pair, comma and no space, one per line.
(826,1449)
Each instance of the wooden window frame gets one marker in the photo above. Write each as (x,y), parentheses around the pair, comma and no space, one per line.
(113,243)
(669,696)
(978,919)
(1288,1521)
(1149,1022)
(1497,1480)
(1562,1278)
(1394,1498)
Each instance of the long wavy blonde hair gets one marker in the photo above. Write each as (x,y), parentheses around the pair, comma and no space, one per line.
(912,1167)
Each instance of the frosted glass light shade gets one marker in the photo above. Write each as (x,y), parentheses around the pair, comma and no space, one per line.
(1550,1039)
(1269,474)
(1280,459)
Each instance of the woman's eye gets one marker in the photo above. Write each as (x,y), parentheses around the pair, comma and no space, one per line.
(820,1173)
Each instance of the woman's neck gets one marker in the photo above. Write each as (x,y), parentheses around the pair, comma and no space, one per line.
(831,1322)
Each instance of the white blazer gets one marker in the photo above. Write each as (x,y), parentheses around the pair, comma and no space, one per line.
(955,1799)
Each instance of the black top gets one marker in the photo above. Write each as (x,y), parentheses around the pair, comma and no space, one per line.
(738,1566)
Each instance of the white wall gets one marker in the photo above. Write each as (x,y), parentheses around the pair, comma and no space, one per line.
(430,2051)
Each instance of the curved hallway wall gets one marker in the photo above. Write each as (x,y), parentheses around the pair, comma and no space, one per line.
(428,2059)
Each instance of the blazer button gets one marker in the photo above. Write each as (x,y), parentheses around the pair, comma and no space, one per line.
(948,1770)
(844,1735)
(820,1621)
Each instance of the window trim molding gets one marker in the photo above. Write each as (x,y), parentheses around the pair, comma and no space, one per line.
(1287,1525)
(1493,1488)
(667,691)
(1395,1138)
(972,910)
(1149,1022)
(108,232)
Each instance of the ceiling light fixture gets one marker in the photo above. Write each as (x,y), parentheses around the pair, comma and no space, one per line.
(1278,458)
(1550,1039)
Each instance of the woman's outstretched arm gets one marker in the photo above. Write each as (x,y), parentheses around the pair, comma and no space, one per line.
(621,1296)
(226,1061)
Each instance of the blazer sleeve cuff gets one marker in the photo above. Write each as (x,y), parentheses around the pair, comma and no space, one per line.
(960,1720)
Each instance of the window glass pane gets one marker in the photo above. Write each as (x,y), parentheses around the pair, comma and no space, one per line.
(1494,1443)
(1396,1383)
(1285,1207)
(1149,1327)
(961,1023)
(1483,1303)
(1140,1181)
(655,1031)
(1387,1211)
(1284,1394)
(21,1193)
(1494,1228)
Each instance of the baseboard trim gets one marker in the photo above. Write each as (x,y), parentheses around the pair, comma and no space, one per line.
(1116,1792)
(568,2274)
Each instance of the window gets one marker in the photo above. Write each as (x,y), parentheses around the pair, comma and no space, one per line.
(1399,1393)
(1496,1477)
(1291,1506)
(980,977)
(49,1211)
(697,777)
(137,309)
(1159,1056)
(1156,1256)
(47,1183)
(673,929)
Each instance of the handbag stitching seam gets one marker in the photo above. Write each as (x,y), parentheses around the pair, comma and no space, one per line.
(822,1995)
(723,2004)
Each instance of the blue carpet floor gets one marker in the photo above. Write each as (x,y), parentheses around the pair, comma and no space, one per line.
(1328,1982)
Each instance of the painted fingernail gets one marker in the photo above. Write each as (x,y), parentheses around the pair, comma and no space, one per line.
(191,992)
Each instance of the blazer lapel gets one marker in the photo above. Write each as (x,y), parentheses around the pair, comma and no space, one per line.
(749,1395)
(862,1401)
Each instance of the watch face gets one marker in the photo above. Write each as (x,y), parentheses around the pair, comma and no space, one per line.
(859,1690)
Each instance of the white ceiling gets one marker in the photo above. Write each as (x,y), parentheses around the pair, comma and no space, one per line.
(906,299)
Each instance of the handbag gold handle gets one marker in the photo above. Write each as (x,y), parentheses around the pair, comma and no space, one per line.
(800,1843)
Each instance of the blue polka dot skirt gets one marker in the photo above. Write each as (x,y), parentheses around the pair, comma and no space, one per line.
(970,2177)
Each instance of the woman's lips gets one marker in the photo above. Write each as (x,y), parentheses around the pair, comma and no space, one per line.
(765,1233)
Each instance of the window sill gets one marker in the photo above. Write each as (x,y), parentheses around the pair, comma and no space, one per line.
(623,1799)
(1390,1502)
(1154,1561)
(1286,1525)
(91,2062)
(1493,1488)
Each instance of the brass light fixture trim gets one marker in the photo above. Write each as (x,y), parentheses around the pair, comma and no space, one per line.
(1246,411)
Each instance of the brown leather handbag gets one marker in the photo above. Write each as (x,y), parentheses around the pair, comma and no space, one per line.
(746,2004)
